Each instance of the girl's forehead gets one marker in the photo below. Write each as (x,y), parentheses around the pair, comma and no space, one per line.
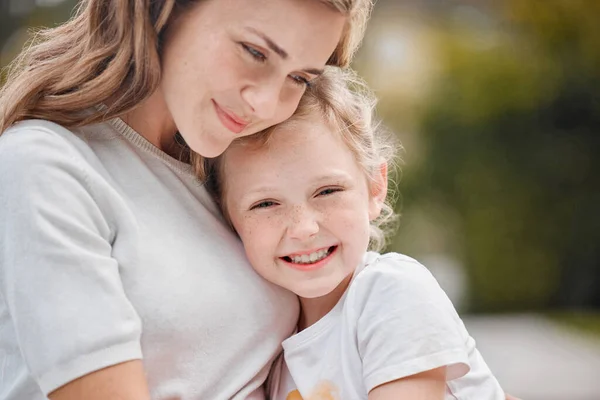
(299,145)
(309,131)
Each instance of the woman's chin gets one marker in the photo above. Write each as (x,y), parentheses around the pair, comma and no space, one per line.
(208,148)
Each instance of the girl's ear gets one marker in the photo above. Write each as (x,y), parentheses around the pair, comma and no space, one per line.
(379,188)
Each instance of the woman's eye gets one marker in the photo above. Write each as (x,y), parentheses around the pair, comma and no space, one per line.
(256,55)
(263,204)
(300,80)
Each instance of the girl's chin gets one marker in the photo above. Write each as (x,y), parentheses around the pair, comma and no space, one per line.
(314,293)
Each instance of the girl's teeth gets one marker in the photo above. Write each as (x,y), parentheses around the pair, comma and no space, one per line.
(310,258)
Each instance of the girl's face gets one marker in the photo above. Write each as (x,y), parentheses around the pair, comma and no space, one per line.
(302,206)
(232,68)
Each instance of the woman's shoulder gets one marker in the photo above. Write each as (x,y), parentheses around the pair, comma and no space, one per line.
(32,143)
(34,133)
(38,155)
(35,138)
(37,124)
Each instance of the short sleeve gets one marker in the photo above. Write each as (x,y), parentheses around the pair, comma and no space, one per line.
(405,322)
(59,283)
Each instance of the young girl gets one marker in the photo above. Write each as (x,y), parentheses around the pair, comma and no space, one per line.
(307,198)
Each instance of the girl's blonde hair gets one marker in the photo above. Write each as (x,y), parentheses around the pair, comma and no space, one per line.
(111,49)
(346,105)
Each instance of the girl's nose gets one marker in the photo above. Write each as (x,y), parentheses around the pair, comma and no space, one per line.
(303,224)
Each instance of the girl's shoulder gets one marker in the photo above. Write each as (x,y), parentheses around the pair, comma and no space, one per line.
(390,266)
(395,280)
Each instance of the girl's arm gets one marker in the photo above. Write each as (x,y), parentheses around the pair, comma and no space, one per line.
(125,381)
(424,386)
(428,385)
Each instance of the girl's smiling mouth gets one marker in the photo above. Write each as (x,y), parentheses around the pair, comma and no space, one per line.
(310,261)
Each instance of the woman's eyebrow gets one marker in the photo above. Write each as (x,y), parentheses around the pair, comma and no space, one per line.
(314,71)
(280,51)
(270,43)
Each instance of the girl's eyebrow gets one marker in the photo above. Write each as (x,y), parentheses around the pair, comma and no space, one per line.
(339,176)
(256,191)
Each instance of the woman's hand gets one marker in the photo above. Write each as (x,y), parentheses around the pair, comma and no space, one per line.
(125,381)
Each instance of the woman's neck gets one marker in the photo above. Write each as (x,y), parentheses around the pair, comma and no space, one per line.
(152,120)
(313,309)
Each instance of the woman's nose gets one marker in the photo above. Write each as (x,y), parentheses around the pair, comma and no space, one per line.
(263,98)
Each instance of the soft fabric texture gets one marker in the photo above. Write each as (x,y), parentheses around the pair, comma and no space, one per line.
(393,321)
(111,251)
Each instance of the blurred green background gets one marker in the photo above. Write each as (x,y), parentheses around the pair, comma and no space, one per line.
(497,105)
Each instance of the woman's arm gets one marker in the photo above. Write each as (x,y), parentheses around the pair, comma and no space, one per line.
(125,381)
(58,278)
(428,385)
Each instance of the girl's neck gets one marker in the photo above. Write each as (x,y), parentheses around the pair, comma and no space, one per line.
(313,309)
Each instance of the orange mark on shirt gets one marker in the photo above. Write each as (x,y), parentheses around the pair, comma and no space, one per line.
(325,390)
(294,395)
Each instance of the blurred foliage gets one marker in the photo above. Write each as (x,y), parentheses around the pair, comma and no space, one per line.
(512,143)
(18,27)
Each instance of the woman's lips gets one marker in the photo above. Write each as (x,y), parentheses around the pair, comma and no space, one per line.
(229,120)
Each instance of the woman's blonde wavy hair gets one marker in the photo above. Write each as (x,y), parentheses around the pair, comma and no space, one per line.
(110,49)
(347,105)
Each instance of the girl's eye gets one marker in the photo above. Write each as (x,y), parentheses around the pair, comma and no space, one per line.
(328,191)
(255,54)
(263,204)
(300,80)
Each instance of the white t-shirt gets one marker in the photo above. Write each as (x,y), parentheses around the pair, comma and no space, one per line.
(110,250)
(393,321)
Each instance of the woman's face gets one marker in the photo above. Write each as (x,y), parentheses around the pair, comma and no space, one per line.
(233,68)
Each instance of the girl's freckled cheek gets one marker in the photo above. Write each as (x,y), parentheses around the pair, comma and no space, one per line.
(249,223)
(273,222)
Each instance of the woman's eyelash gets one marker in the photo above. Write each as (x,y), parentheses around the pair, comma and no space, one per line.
(300,80)
(256,55)
(261,58)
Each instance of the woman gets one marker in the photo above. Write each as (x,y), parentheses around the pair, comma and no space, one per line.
(110,248)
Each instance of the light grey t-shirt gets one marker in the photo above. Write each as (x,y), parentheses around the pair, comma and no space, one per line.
(110,250)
